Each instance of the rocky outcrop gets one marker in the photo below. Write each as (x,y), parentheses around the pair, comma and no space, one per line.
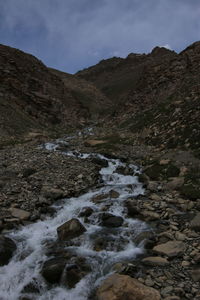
(121,287)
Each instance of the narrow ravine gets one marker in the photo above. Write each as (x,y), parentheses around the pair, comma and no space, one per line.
(101,246)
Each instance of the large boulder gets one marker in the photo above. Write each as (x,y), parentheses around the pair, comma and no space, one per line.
(7,248)
(123,287)
(110,220)
(53,268)
(70,229)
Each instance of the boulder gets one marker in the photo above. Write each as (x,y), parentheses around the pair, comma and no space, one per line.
(170,249)
(53,268)
(86,212)
(123,287)
(70,229)
(20,213)
(7,248)
(131,206)
(110,220)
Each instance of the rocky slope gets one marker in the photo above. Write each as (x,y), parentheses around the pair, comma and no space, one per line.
(34,98)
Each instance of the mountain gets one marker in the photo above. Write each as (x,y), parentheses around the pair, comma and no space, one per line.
(34,97)
(155,96)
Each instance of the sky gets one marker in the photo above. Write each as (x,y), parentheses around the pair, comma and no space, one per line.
(70,35)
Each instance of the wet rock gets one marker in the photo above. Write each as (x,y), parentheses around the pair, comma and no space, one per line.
(86,212)
(195,223)
(170,249)
(74,273)
(101,162)
(110,220)
(70,229)
(123,287)
(155,261)
(131,206)
(7,248)
(175,183)
(20,213)
(32,287)
(53,268)
(147,238)
(113,194)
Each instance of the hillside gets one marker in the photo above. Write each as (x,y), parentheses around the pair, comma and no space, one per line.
(155,96)
(35,98)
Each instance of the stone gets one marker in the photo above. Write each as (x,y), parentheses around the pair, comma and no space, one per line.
(86,212)
(7,249)
(150,215)
(53,268)
(195,274)
(123,287)
(52,194)
(147,238)
(110,220)
(113,194)
(195,223)
(94,142)
(131,208)
(70,229)
(20,213)
(175,183)
(155,261)
(73,274)
(170,249)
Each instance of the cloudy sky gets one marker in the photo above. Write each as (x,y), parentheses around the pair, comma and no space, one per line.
(72,34)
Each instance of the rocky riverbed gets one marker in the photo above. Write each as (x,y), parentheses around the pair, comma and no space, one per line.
(168,260)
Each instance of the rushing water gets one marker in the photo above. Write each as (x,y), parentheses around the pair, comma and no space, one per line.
(32,239)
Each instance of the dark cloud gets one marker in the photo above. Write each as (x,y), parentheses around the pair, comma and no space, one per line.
(72,34)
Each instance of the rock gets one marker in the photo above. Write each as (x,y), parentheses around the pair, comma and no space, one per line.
(155,261)
(92,143)
(113,194)
(53,268)
(86,212)
(175,183)
(164,162)
(131,206)
(147,238)
(170,249)
(195,274)
(155,197)
(101,162)
(110,220)
(70,229)
(73,274)
(52,194)
(20,213)
(195,223)
(123,287)
(7,248)
(150,215)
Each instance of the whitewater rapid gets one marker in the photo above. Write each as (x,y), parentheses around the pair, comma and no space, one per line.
(31,240)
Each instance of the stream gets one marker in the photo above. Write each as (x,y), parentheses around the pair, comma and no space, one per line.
(32,240)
